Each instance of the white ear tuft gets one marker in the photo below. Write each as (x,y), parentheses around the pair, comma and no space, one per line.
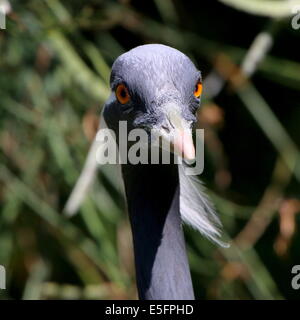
(195,207)
(86,178)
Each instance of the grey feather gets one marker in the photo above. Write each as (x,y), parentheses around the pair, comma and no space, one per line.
(86,178)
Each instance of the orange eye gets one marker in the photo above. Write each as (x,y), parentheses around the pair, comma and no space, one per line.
(122,94)
(198,89)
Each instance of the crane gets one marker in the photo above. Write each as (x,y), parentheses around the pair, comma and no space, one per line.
(158,89)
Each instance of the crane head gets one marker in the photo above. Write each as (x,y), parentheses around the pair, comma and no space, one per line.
(156,87)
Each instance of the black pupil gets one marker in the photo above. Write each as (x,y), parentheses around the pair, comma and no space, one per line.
(123,93)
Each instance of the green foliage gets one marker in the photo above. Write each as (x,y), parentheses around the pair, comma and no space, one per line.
(55,64)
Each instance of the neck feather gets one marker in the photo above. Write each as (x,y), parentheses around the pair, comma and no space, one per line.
(162,268)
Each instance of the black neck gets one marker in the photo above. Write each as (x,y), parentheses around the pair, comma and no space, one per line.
(162,268)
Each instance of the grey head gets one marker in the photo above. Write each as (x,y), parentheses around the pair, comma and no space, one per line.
(160,82)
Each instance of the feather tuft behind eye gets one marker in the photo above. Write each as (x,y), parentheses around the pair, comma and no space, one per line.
(196,208)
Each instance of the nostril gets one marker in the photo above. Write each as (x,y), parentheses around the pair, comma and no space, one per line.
(166,128)
(170,124)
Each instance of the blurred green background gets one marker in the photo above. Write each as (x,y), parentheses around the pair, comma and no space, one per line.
(55,59)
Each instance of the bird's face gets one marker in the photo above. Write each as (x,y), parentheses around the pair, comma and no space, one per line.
(158,88)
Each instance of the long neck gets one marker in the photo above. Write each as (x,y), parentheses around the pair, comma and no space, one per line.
(162,268)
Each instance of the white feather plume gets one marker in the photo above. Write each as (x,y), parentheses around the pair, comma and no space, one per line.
(196,208)
(86,178)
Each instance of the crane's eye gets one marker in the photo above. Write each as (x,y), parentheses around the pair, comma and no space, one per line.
(198,89)
(122,94)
